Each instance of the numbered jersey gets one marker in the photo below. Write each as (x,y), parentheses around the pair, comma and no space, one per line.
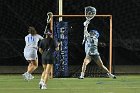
(91,46)
(32,40)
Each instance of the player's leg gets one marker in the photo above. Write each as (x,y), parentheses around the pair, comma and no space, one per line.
(44,65)
(51,73)
(32,66)
(47,72)
(85,63)
(26,75)
(33,60)
(48,69)
(42,76)
(99,62)
(34,63)
(43,73)
(31,55)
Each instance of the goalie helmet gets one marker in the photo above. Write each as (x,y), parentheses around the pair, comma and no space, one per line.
(94,33)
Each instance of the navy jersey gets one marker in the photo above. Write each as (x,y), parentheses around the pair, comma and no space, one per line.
(48,44)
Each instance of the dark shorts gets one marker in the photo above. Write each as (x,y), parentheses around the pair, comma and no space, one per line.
(47,58)
(96,58)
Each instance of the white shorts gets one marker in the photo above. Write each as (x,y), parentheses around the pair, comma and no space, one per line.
(30,53)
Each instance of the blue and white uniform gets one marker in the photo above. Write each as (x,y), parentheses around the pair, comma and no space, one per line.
(31,47)
(91,44)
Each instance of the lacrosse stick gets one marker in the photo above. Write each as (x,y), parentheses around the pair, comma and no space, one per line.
(49,15)
(90,13)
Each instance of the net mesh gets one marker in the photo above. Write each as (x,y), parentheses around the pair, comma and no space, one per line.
(17,15)
(76,33)
(76,50)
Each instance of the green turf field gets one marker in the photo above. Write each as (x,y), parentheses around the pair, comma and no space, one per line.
(123,84)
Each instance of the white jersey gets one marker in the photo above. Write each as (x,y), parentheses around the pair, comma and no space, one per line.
(32,40)
(30,50)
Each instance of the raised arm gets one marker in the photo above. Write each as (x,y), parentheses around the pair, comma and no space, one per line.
(86,34)
(86,23)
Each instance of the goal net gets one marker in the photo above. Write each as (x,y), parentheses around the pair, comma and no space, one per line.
(76,54)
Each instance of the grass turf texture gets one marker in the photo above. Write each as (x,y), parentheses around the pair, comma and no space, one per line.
(123,84)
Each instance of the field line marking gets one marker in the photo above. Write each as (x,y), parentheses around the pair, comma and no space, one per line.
(68,88)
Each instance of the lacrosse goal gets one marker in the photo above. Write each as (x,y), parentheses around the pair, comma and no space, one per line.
(102,22)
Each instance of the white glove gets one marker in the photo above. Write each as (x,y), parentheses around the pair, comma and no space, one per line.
(83,40)
(86,23)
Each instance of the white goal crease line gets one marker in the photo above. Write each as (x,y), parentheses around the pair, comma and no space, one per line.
(69,88)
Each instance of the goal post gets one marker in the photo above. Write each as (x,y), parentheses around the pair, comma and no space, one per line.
(110,33)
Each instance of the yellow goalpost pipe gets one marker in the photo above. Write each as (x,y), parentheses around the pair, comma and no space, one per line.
(110,44)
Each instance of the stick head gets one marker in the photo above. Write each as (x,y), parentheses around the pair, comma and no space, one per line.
(90,12)
(49,13)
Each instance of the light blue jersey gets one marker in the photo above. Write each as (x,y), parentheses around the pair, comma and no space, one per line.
(91,46)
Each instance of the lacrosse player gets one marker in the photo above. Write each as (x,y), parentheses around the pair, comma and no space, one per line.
(91,50)
(30,52)
(47,47)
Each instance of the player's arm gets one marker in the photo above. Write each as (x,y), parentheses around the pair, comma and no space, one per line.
(86,23)
(40,37)
(86,34)
(40,50)
(57,46)
(40,47)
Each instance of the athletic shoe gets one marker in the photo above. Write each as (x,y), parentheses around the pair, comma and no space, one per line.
(114,77)
(30,77)
(111,75)
(40,84)
(81,77)
(44,86)
(25,75)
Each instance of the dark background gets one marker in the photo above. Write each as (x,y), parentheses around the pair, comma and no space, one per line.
(17,15)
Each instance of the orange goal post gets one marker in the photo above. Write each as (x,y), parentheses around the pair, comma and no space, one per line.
(110,33)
